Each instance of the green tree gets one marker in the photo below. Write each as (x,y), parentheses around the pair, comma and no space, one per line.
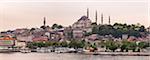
(64,44)
(143,45)
(57,26)
(54,26)
(111,45)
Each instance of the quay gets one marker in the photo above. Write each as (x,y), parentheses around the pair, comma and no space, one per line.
(118,53)
(78,52)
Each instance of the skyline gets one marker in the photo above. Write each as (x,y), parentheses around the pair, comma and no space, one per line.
(30,14)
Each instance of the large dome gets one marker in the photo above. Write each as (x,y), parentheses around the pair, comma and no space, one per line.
(84,18)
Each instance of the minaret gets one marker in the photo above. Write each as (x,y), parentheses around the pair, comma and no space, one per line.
(88,12)
(96,17)
(44,22)
(102,18)
(109,20)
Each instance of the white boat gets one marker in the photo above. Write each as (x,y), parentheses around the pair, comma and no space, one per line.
(25,50)
(61,50)
(44,50)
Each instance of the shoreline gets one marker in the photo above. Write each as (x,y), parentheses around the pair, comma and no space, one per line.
(84,53)
(118,53)
(98,53)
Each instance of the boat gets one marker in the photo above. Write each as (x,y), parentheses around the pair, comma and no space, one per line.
(25,50)
(61,50)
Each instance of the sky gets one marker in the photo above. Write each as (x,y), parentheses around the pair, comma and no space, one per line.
(29,13)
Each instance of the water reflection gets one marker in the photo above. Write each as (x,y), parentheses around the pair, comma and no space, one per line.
(66,56)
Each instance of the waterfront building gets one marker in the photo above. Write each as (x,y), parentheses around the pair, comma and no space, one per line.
(57,34)
(148,36)
(47,34)
(125,36)
(38,32)
(78,33)
(54,36)
(27,38)
(6,42)
(20,31)
(20,44)
(68,33)
(93,37)
(40,39)
(132,38)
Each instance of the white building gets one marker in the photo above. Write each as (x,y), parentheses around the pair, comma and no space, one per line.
(124,36)
(25,38)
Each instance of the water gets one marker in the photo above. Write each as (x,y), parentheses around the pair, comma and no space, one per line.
(65,56)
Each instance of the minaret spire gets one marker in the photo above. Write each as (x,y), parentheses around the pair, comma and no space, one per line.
(109,20)
(88,12)
(96,17)
(44,22)
(102,18)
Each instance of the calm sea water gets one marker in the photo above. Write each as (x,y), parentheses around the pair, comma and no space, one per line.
(65,56)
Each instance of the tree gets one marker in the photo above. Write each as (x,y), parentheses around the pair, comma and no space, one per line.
(64,44)
(95,30)
(43,27)
(111,45)
(76,44)
(142,29)
(57,26)
(142,45)
(32,29)
(54,26)
(133,46)
(124,45)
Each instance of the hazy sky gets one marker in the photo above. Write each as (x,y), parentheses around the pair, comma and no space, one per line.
(29,13)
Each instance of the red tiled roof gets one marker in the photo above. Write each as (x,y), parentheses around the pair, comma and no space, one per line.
(40,39)
(7,38)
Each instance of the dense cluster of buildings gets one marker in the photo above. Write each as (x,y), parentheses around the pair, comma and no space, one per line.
(20,37)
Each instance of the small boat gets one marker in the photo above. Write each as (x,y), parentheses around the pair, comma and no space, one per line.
(72,50)
(25,50)
(61,50)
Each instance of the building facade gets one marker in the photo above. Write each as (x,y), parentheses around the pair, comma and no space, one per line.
(82,26)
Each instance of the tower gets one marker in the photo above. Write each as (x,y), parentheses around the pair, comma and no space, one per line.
(44,22)
(102,18)
(96,17)
(109,20)
(87,12)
